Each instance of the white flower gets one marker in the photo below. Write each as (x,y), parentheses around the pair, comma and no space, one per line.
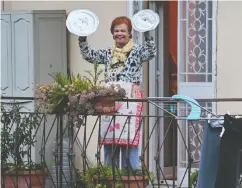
(116,89)
(108,86)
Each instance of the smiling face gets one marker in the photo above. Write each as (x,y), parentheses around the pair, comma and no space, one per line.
(121,35)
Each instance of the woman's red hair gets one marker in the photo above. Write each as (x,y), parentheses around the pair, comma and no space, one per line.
(121,20)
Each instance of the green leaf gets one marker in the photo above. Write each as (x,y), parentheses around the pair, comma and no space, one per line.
(61,79)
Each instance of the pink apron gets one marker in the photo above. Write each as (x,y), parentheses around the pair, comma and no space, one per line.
(117,131)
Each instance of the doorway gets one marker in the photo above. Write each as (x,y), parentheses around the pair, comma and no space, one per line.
(165,82)
(170,89)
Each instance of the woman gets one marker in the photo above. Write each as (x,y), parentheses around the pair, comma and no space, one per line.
(123,62)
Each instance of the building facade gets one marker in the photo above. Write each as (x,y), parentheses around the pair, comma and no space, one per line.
(198,55)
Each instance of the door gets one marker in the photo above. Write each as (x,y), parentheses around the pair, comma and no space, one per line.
(6,63)
(196,71)
(22,55)
(160,151)
(50,45)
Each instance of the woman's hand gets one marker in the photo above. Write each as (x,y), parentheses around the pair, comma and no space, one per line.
(82,39)
(147,35)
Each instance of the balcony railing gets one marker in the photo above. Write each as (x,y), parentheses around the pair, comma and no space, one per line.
(45,150)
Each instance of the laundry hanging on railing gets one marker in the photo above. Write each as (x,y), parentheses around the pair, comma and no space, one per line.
(208,166)
(220,164)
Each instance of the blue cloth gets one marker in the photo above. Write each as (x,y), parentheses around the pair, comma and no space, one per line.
(229,161)
(133,156)
(209,160)
(210,156)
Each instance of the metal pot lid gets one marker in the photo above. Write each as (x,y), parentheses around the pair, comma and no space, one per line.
(82,22)
(145,20)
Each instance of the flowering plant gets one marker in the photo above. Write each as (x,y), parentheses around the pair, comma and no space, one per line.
(76,95)
(54,97)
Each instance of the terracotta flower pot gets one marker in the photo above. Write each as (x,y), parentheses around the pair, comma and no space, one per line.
(104,105)
(24,178)
(128,182)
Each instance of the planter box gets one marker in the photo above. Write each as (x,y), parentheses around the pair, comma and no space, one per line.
(24,179)
(128,182)
(105,105)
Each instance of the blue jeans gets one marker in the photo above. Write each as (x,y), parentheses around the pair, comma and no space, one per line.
(133,156)
(209,160)
(210,156)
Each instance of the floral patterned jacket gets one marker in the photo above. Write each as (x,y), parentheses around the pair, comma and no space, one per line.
(133,64)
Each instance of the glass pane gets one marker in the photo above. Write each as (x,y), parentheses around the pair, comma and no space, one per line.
(196,78)
(183,47)
(210,9)
(209,105)
(210,46)
(183,78)
(183,9)
(196,41)
(210,78)
(197,60)
(197,37)
(195,135)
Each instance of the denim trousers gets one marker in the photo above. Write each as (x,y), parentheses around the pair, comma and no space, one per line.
(209,159)
(133,156)
(220,164)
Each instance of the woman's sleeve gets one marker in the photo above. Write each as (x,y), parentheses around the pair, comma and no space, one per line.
(148,50)
(92,55)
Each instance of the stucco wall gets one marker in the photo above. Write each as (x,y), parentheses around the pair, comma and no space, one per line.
(229,55)
(106,11)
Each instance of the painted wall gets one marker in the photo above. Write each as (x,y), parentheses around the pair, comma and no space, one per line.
(229,58)
(106,11)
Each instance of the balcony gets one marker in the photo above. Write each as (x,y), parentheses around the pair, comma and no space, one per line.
(46,150)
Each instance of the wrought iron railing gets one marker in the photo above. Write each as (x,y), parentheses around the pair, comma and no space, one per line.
(44,150)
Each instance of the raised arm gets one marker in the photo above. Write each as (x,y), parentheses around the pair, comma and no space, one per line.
(91,55)
(148,50)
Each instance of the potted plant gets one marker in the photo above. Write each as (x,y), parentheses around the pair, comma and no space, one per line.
(79,95)
(193,179)
(17,137)
(103,176)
